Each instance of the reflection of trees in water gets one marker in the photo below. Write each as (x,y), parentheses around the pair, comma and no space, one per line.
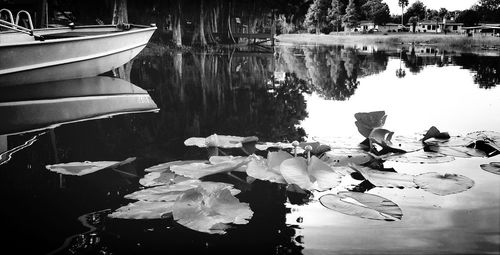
(333,72)
(230,93)
(486,69)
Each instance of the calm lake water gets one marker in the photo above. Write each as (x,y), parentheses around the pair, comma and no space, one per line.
(291,92)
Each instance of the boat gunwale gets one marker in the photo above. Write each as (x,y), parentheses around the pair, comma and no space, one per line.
(141,28)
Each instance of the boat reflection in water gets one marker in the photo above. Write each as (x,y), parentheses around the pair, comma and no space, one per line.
(36,107)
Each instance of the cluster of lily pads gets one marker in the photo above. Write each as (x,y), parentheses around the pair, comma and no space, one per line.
(175,189)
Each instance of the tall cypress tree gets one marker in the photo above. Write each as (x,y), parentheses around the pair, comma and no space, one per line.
(351,17)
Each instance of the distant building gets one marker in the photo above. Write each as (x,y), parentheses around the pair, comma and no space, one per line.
(483,29)
(433,26)
(389,27)
(367,26)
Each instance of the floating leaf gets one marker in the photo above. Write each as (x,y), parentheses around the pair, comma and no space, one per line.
(86,167)
(163,193)
(314,174)
(161,178)
(169,193)
(278,145)
(214,160)
(457,151)
(317,148)
(166,166)
(143,210)
(362,205)
(344,157)
(221,141)
(210,212)
(493,167)
(367,121)
(261,169)
(294,171)
(385,178)
(198,170)
(442,185)
(421,157)
(324,176)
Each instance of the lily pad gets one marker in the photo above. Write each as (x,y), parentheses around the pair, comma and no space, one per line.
(491,138)
(198,170)
(221,141)
(161,178)
(314,174)
(493,167)
(86,167)
(294,171)
(278,145)
(385,178)
(166,166)
(457,151)
(263,169)
(362,205)
(420,157)
(169,193)
(442,185)
(344,157)
(210,212)
(144,210)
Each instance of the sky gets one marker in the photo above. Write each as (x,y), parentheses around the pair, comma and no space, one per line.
(451,5)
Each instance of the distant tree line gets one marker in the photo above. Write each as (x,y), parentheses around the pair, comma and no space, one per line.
(335,15)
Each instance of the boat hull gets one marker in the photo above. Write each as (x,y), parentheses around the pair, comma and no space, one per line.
(70,58)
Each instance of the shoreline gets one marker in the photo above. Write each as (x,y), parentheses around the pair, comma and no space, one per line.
(452,41)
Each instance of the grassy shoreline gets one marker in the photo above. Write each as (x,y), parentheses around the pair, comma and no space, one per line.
(438,40)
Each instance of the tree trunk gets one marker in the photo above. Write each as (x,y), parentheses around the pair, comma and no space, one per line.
(120,15)
(177,29)
(203,40)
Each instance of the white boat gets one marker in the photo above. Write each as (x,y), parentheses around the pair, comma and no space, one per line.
(40,106)
(41,55)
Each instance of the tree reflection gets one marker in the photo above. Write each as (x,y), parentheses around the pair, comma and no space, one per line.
(332,72)
(486,69)
(400,73)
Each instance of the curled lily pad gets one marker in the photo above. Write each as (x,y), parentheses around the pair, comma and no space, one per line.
(433,132)
(144,210)
(362,205)
(210,212)
(490,138)
(493,167)
(385,178)
(443,184)
(383,138)
(314,174)
(86,167)
(367,121)
(221,141)
(198,170)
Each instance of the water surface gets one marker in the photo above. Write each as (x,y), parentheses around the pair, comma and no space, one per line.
(291,92)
